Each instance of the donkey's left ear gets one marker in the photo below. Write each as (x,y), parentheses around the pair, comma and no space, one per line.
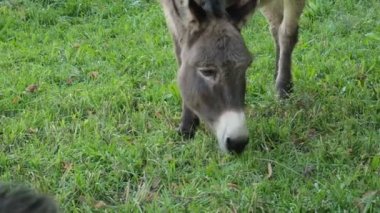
(239,13)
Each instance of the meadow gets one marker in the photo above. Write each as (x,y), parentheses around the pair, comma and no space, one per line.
(89,105)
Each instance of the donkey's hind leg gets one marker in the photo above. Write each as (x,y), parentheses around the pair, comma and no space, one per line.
(286,37)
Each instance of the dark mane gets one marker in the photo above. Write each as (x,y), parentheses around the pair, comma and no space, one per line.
(214,7)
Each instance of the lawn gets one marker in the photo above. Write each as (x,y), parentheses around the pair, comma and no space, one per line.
(89,105)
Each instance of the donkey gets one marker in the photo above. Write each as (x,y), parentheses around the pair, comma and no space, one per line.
(213,60)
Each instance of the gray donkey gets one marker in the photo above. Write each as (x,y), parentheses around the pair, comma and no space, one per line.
(213,60)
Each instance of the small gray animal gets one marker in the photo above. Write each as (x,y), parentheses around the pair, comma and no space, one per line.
(16,199)
(213,60)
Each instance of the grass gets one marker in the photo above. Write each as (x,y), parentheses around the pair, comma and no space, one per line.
(89,106)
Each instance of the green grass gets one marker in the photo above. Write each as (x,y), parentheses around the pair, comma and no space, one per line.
(101,124)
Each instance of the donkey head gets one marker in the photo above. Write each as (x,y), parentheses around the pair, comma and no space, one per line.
(214,60)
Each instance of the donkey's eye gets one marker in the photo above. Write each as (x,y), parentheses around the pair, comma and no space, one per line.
(208,72)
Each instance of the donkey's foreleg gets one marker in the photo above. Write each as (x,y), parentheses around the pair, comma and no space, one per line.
(287,39)
(273,11)
(189,123)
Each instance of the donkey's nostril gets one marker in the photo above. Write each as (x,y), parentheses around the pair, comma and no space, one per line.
(228,142)
(236,145)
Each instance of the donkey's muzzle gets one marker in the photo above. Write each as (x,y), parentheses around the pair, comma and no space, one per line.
(236,145)
(231,131)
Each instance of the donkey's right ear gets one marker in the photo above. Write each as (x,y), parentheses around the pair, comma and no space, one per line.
(198,14)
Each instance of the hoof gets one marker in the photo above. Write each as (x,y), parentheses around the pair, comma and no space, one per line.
(186,134)
(284,90)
